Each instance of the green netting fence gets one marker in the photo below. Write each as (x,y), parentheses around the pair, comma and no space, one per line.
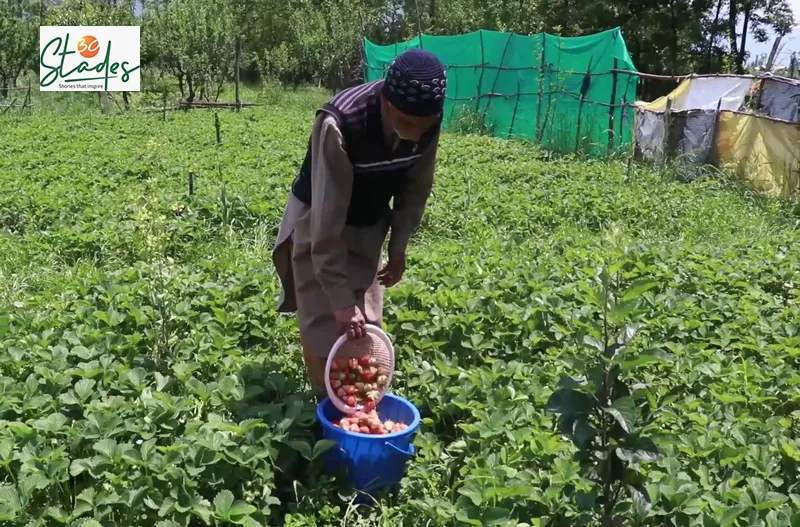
(566,93)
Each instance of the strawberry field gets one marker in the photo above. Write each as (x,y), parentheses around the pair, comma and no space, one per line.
(584,339)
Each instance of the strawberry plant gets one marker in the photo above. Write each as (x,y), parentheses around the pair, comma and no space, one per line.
(146,379)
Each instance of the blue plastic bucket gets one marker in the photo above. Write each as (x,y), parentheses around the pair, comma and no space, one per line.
(373,462)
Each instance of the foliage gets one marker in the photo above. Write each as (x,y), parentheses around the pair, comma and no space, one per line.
(319,41)
(19,37)
(146,378)
(192,40)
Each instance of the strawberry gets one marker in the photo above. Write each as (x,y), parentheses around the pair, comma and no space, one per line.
(336,384)
(382,380)
(372,362)
(364,360)
(364,430)
(353,363)
(349,389)
(341,393)
(334,366)
(369,374)
(359,387)
(369,405)
(389,425)
(382,371)
(351,400)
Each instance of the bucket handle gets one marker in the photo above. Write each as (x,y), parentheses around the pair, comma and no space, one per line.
(408,453)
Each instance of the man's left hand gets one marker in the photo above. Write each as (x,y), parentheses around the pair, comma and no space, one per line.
(393,272)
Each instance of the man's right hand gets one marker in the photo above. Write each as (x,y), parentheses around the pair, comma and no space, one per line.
(351,321)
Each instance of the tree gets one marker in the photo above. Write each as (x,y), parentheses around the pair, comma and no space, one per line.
(19,29)
(193,40)
(757,17)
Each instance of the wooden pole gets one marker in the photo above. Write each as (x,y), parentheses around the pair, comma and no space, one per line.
(667,126)
(516,105)
(611,109)
(480,77)
(238,63)
(27,97)
(538,133)
(712,152)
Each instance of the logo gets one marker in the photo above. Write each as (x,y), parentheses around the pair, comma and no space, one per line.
(89,58)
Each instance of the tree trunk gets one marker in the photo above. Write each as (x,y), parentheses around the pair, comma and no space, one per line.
(743,49)
(189,83)
(733,15)
(713,37)
(775,46)
(673,44)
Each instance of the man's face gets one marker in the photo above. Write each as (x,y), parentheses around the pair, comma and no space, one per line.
(408,127)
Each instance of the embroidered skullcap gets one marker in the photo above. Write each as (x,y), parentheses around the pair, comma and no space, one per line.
(415,83)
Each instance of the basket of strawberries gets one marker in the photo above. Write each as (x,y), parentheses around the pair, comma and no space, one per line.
(358,372)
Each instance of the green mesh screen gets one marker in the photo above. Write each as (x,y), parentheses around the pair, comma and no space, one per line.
(558,91)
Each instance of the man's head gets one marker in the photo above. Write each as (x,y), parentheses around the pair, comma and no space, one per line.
(413,93)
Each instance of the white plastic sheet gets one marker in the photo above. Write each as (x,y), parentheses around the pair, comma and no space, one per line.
(705,92)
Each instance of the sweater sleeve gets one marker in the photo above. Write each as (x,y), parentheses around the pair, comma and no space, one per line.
(409,205)
(331,188)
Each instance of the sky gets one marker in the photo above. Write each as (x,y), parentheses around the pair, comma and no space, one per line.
(791,42)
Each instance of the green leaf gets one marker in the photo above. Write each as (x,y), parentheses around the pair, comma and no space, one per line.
(642,359)
(641,502)
(223,503)
(471,490)
(569,403)
(107,447)
(322,446)
(583,432)
(470,516)
(638,288)
(624,411)
(594,343)
(83,388)
(621,311)
(496,516)
(86,523)
(730,515)
(242,509)
(302,447)
(10,497)
(637,450)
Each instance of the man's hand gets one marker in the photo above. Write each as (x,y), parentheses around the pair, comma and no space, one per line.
(351,320)
(393,272)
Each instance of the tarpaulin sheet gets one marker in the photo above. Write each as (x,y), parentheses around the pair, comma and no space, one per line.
(704,93)
(781,100)
(763,153)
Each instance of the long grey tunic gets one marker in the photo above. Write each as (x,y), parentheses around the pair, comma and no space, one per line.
(326,265)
